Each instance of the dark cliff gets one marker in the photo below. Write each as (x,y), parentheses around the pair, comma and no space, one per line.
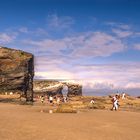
(16,72)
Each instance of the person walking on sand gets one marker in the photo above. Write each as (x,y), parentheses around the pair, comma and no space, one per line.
(112,100)
(115,103)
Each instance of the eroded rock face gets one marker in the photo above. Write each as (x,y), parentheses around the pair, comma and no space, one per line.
(48,87)
(56,87)
(16,72)
(74,89)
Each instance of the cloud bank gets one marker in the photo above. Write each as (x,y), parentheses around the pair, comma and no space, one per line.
(61,52)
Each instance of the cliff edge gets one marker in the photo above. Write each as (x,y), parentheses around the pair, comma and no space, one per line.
(16,72)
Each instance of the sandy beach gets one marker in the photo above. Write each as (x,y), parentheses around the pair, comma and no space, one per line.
(24,122)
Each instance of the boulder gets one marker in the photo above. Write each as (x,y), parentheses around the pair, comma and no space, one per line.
(16,72)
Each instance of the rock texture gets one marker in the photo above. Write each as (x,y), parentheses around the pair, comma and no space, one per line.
(47,87)
(56,87)
(16,72)
(74,89)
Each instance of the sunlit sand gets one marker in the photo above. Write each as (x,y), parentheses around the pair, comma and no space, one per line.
(38,122)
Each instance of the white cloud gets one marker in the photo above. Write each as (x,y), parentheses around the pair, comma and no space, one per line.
(124,26)
(40,31)
(84,45)
(48,63)
(105,76)
(35,32)
(99,44)
(59,22)
(117,25)
(23,30)
(5,38)
(121,33)
(137,46)
(55,74)
(133,85)
(137,34)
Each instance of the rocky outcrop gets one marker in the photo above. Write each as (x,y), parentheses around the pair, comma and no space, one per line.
(47,87)
(74,89)
(16,72)
(56,87)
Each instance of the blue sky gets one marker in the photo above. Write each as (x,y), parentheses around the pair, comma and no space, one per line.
(94,42)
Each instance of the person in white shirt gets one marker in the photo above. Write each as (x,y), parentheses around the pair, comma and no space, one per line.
(92,101)
(123,95)
(51,99)
(65,99)
(115,102)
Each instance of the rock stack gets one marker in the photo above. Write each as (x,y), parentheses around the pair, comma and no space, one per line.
(16,72)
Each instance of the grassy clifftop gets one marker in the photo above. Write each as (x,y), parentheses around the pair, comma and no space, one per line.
(13,54)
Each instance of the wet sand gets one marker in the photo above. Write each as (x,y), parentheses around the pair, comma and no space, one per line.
(22,122)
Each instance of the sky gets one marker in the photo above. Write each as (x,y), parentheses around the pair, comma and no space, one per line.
(93,42)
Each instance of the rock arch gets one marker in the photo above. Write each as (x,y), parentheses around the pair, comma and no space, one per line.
(74,89)
(56,87)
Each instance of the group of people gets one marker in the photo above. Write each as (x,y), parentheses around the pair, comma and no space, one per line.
(53,99)
(56,99)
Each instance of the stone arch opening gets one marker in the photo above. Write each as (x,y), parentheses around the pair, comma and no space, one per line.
(65,90)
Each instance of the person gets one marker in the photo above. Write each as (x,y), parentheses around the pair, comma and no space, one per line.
(11,93)
(51,99)
(115,102)
(42,99)
(58,100)
(92,101)
(113,99)
(65,99)
(123,95)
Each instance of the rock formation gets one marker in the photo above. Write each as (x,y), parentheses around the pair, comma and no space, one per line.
(74,89)
(55,87)
(16,72)
(48,87)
